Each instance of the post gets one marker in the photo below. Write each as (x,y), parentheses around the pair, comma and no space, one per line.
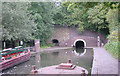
(69,61)
(83,73)
(21,43)
(4,45)
(37,45)
(98,41)
(33,71)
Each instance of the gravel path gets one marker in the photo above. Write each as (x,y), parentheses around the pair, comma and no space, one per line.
(104,63)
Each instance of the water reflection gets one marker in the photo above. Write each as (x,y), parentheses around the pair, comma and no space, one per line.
(79,51)
(55,53)
(37,60)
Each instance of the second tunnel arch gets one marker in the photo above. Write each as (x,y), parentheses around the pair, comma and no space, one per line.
(80,41)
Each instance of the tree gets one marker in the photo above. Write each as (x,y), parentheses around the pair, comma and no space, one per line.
(113,45)
(59,15)
(17,21)
(43,14)
(73,18)
(97,19)
(84,5)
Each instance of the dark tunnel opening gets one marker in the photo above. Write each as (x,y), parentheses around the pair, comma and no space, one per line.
(79,44)
(55,42)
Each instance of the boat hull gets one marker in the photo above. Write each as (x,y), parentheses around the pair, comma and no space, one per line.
(14,61)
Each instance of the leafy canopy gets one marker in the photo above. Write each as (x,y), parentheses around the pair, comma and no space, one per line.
(17,21)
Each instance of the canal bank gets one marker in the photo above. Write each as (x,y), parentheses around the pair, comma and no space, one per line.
(104,63)
(51,49)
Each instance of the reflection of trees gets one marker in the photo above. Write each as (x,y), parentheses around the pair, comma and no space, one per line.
(37,60)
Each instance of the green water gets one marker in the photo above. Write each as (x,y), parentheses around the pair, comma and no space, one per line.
(79,57)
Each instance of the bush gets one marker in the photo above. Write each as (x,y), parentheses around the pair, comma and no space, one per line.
(113,48)
(46,46)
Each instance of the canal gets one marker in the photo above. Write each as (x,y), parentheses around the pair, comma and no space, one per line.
(80,57)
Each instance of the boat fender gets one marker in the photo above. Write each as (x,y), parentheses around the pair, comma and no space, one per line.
(3,58)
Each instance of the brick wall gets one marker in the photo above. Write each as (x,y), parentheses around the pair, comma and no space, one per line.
(61,34)
(67,35)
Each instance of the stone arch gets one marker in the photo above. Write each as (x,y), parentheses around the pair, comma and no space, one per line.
(80,41)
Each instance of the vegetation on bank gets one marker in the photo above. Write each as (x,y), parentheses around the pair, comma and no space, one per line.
(113,45)
(113,48)
(46,46)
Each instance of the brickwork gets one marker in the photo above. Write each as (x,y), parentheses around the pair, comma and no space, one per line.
(61,34)
(67,36)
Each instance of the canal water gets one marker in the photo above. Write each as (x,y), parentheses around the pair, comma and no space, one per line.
(80,57)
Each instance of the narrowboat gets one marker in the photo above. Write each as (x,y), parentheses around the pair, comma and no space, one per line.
(10,57)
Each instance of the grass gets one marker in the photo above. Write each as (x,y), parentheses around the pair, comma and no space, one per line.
(113,48)
(46,46)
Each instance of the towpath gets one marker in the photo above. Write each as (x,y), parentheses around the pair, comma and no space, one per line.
(103,63)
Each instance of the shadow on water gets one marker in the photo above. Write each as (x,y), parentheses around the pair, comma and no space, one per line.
(78,56)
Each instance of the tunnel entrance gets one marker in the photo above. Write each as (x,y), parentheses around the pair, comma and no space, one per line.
(55,42)
(79,44)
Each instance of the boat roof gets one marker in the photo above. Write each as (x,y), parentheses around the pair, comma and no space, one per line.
(18,47)
(7,49)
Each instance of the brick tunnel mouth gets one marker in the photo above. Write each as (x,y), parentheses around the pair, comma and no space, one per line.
(55,42)
(79,44)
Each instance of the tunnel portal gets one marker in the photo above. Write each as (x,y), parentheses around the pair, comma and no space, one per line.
(55,42)
(79,44)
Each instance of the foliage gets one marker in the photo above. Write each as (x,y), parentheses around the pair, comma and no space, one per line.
(113,37)
(76,19)
(72,18)
(112,19)
(112,5)
(97,19)
(46,46)
(59,15)
(42,13)
(113,48)
(16,21)
(87,15)
(96,13)
(83,5)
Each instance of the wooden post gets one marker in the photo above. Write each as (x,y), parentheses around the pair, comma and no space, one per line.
(37,45)
(33,70)
(69,61)
(83,73)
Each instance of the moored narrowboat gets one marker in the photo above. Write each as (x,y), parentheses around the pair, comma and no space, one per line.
(10,57)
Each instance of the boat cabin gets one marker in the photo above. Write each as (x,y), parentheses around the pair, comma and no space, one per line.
(9,53)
